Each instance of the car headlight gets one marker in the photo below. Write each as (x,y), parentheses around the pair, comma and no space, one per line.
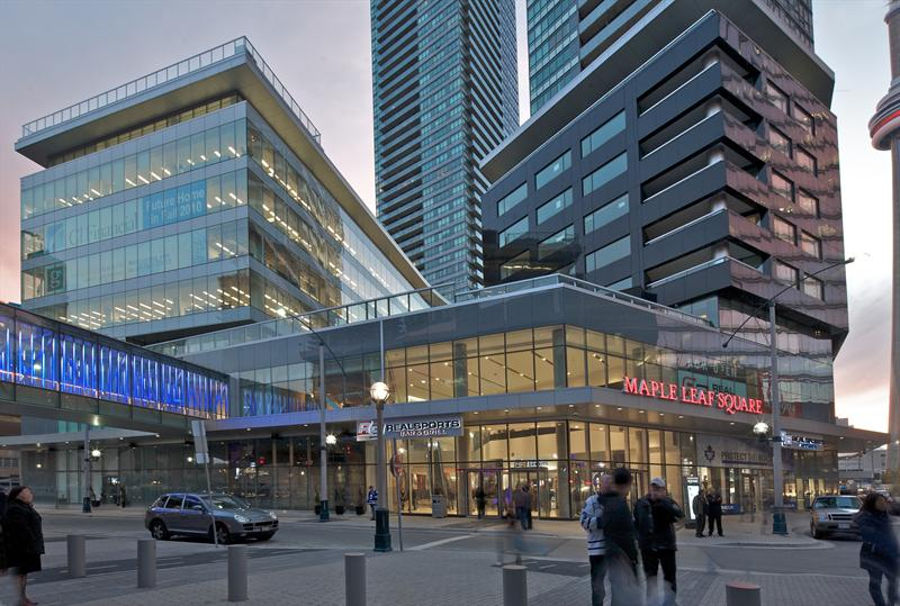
(241,519)
(272,515)
(823,517)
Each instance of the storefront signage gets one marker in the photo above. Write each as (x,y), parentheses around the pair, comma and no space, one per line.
(418,427)
(424,427)
(696,396)
(722,451)
(529,464)
(797,442)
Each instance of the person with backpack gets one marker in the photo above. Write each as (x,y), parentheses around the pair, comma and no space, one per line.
(591,521)
(654,517)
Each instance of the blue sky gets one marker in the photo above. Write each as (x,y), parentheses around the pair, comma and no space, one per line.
(58,53)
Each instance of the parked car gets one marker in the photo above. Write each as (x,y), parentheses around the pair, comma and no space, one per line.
(832,514)
(178,513)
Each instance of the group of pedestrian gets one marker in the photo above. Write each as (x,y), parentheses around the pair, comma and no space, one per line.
(522,501)
(621,539)
(22,539)
(707,508)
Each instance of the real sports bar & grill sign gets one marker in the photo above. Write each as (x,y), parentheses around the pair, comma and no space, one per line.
(695,396)
(419,427)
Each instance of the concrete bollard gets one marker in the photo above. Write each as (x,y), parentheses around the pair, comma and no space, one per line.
(146,564)
(515,586)
(237,573)
(355,579)
(740,593)
(75,560)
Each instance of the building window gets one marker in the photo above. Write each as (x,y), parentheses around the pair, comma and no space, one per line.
(806,160)
(604,174)
(805,119)
(784,230)
(808,204)
(785,274)
(511,199)
(621,284)
(606,214)
(604,133)
(782,185)
(516,264)
(556,242)
(777,97)
(601,257)
(553,170)
(554,206)
(813,287)
(810,245)
(779,141)
(514,231)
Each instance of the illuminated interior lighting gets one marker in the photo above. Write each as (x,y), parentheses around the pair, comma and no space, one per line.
(155,176)
(168,172)
(130,182)
(141,177)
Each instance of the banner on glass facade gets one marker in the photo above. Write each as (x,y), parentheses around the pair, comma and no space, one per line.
(722,451)
(417,427)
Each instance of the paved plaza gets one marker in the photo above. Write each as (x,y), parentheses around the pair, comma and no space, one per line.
(445,562)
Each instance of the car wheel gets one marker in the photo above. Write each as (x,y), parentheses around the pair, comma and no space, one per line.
(815,532)
(222,535)
(159,531)
(266,536)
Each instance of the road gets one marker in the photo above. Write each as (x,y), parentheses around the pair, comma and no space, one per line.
(309,553)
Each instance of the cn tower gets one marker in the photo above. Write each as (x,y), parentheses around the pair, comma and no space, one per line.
(884,129)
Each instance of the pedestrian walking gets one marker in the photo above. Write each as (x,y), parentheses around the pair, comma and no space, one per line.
(480,501)
(522,502)
(714,511)
(123,496)
(699,506)
(23,538)
(592,522)
(654,518)
(879,552)
(620,541)
(372,500)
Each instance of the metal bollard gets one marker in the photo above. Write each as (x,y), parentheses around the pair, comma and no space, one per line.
(740,593)
(355,579)
(237,573)
(515,586)
(75,556)
(146,564)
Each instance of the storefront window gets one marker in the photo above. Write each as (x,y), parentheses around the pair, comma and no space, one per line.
(617,445)
(599,442)
(493,444)
(578,441)
(575,374)
(522,442)
(637,442)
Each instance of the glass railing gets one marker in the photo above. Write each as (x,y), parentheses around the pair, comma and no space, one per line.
(167,74)
(560,279)
(350,313)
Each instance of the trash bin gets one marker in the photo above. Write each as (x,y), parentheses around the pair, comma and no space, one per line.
(438,506)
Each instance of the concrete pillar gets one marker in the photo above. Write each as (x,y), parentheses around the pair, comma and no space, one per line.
(559,358)
(75,556)
(146,564)
(355,579)
(739,593)
(515,586)
(237,573)
(460,371)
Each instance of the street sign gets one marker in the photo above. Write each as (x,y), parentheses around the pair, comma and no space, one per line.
(366,431)
(201,450)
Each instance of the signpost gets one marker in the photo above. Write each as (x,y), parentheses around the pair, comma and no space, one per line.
(201,456)
(395,471)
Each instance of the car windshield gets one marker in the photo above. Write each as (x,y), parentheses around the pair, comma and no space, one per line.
(228,502)
(837,503)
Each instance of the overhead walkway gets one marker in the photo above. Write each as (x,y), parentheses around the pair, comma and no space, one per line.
(53,370)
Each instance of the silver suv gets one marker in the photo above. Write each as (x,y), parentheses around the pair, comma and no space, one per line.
(179,513)
(834,514)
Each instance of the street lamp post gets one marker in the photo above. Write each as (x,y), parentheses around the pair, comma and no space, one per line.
(779,524)
(323,446)
(86,502)
(380,393)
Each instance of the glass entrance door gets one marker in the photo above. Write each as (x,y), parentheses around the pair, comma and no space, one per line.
(542,497)
(489,481)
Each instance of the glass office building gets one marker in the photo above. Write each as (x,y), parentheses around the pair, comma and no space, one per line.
(445,94)
(195,197)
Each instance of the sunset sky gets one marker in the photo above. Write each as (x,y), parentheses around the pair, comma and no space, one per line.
(59,53)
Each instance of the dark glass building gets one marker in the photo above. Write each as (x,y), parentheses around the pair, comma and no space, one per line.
(445,94)
(194,197)
(705,179)
(566,36)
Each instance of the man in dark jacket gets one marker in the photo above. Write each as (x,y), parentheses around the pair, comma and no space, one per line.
(617,524)
(714,511)
(654,517)
(698,506)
